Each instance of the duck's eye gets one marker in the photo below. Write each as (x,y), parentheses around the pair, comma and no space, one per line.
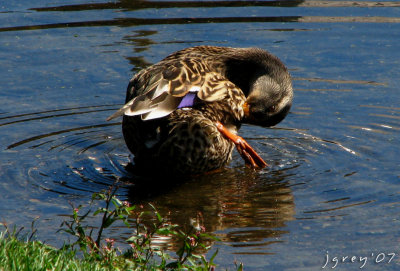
(271,109)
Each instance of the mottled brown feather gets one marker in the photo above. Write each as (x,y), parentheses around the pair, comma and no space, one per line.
(185,141)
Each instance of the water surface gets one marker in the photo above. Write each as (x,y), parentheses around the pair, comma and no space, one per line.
(332,185)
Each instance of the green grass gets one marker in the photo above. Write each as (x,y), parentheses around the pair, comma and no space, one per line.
(33,255)
(19,255)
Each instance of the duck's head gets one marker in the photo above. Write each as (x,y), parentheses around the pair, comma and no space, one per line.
(266,83)
(269,100)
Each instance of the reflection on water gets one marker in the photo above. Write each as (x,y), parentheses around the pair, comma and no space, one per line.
(139,5)
(129,22)
(226,204)
(333,171)
(129,5)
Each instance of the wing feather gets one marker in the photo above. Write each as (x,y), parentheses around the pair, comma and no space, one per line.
(168,82)
(168,104)
(214,88)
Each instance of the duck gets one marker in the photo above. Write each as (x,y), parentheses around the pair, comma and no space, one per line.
(182,115)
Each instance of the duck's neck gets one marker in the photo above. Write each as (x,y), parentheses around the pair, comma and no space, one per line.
(246,67)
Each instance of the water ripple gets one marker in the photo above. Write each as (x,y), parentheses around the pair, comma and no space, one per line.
(126,22)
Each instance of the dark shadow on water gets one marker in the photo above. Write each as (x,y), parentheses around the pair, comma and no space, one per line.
(147,185)
(137,5)
(128,22)
(140,4)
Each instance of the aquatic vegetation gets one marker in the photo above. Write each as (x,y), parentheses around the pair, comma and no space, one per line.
(92,251)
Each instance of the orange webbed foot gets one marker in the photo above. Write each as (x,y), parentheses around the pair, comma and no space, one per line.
(249,155)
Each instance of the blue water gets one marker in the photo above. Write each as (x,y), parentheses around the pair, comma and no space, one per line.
(332,186)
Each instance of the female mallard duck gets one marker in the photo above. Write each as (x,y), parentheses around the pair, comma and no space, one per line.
(182,114)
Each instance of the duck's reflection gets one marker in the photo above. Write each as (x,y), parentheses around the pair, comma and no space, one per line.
(242,207)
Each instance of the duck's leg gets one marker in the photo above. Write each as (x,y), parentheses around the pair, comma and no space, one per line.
(245,150)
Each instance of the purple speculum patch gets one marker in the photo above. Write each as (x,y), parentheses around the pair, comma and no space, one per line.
(189,100)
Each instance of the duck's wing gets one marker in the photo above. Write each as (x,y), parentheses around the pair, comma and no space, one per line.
(169,82)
